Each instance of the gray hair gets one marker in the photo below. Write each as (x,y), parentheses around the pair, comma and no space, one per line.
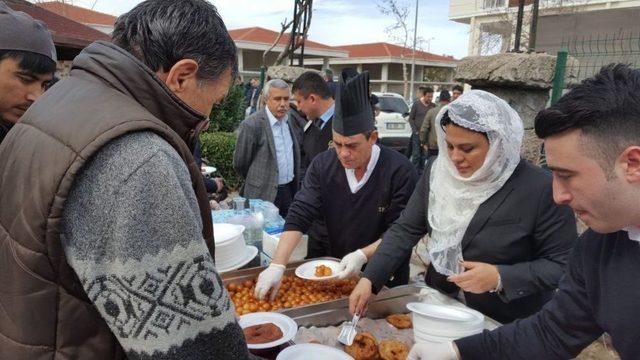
(274,83)
(162,32)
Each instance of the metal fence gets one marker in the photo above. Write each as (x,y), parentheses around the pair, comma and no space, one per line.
(582,57)
(592,52)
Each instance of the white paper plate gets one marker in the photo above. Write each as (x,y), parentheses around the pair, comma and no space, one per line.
(251,252)
(312,352)
(208,169)
(286,324)
(446,312)
(224,233)
(307,270)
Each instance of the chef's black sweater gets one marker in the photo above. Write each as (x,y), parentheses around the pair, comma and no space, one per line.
(354,220)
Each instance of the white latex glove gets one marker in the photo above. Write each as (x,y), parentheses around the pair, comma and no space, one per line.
(433,351)
(270,278)
(351,264)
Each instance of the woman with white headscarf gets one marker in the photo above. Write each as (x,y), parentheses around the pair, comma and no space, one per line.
(497,240)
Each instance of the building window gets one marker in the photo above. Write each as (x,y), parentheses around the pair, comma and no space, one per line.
(493,4)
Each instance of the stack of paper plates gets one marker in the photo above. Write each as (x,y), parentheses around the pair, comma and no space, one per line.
(231,250)
(442,323)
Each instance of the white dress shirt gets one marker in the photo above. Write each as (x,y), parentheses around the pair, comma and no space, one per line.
(284,147)
(356,185)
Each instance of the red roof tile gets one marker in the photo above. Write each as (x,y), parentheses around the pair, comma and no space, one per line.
(66,32)
(79,14)
(264,36)
(389,50)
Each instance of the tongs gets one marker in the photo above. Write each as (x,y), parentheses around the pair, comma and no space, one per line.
(349,331)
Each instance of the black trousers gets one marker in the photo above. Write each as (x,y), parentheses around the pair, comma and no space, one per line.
(284,198)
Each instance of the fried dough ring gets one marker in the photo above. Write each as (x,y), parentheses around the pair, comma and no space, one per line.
(364,347)
(393,350)
(400,321)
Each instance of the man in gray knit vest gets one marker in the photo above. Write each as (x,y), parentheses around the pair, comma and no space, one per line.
(105,229)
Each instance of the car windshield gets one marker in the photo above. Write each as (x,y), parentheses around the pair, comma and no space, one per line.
(392,104)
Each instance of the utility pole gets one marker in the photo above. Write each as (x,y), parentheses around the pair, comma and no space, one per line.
(534,26)
(516,48)
(413,60)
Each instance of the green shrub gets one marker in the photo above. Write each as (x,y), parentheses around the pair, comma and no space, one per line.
(228,115)
(217,148)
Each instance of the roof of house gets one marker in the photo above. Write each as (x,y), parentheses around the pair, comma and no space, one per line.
(382,49)
(79,14)
(265,36)
(65,32)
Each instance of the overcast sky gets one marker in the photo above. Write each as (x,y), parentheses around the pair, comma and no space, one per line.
(335,22)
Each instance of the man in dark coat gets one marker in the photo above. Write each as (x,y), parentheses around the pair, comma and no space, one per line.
(358,188)
(416,117)
(592,139)
(315,100)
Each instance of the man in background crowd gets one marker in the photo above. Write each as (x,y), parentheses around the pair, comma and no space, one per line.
(27,64)
(267,153)
(428,137)
(416,117)
(456,92)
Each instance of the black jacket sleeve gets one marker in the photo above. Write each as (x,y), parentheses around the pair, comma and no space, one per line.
(559,331)
(401,237)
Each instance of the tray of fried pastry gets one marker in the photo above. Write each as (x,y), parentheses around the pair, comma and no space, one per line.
(386,328)
(384,333)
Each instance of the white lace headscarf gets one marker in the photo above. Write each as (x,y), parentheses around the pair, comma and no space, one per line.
(453,199)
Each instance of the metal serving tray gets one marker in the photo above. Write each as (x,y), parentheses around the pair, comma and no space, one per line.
(332,313)
(387,302)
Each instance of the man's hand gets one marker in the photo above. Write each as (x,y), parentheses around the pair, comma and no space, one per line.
(434,351)
(360,296)
(351,264)
(269,279)
(219,183)
(478,279)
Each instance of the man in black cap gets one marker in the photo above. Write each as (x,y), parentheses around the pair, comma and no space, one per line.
(358,188)
(27,64)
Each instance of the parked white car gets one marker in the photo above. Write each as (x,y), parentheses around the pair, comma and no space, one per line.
(392,121)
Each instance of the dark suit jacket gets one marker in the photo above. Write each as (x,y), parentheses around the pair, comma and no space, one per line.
(520,229)
(254,158)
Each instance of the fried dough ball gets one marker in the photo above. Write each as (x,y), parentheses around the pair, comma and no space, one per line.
(393,350)
(293,292)
(364,347)
(323,271)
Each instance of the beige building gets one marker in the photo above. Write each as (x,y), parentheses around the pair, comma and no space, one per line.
(492,22)
(253,42)
(385,61)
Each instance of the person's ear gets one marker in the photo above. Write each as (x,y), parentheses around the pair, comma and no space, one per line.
(374,137)
(630,162)
(182,76)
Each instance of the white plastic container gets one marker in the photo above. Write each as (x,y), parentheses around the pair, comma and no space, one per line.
(442,323)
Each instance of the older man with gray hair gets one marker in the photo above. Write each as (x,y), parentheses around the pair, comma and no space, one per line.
(267,155)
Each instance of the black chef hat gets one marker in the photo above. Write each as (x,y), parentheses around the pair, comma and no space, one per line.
(353,114)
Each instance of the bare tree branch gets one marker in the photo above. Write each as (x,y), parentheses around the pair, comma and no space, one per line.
(285,26)
(299,40)
(399,32)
